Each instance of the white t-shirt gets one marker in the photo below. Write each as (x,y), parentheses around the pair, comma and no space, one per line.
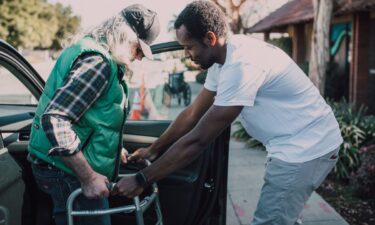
(282,108)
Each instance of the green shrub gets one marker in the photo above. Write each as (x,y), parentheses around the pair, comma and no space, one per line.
(357,130)
(369,128)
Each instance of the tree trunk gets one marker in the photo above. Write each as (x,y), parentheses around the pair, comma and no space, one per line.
(232,10)
(320,43)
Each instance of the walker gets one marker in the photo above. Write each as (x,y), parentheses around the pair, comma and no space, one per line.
(139,206)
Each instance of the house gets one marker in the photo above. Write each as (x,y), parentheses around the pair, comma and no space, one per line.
(352,42)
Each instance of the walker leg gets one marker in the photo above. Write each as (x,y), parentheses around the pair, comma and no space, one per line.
(158,211)
(138,212)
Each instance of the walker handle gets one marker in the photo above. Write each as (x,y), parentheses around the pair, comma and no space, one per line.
(138,207)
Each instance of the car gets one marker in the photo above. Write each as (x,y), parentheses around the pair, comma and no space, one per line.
(195,194)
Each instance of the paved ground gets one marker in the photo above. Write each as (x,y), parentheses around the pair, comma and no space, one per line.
(246,169)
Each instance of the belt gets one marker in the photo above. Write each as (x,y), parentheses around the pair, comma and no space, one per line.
(39,162)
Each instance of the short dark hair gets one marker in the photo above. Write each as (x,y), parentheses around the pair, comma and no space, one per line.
(199,17)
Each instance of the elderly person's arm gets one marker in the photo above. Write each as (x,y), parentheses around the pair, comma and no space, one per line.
(86,81)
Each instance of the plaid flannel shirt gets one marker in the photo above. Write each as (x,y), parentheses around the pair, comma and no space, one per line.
(86,81)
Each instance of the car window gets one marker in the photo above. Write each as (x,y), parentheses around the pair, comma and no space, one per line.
(162,88)
(12,91)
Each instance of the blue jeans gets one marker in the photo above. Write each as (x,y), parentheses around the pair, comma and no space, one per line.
(59,185)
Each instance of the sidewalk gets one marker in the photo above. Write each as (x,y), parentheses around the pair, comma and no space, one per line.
(245,179)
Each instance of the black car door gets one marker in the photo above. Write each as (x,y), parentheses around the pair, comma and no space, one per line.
(20,87)
(195,194)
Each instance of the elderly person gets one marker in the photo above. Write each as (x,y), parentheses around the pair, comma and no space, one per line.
(76,136)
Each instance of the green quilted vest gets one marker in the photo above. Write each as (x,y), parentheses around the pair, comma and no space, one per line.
(99,129)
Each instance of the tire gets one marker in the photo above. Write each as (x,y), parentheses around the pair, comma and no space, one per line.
(187,95)
(167,96)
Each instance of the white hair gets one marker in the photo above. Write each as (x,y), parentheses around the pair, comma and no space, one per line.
(115,35)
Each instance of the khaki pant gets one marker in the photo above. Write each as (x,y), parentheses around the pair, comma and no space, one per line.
(287,187)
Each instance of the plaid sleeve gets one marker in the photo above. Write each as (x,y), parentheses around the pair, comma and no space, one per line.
(61,135)
(86,81)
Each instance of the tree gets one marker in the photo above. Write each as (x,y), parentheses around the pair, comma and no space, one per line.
(320,43)
(27,23)
(242,14)
(232,9)
(68,24)
(30,23)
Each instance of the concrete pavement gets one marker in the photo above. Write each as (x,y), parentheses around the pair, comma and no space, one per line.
(245,179)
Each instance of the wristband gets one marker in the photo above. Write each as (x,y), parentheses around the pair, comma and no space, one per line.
(141,179)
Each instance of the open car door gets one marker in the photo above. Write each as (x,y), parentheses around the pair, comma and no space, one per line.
(193,195)
(20,87)
(10,185)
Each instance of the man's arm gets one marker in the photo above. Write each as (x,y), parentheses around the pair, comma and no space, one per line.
(185,149)
(185,121)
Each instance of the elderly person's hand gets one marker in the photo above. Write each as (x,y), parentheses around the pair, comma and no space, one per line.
(95,186)
(124,155)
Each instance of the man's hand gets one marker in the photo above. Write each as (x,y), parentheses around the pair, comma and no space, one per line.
(142,153)
(95,186)
(127,187)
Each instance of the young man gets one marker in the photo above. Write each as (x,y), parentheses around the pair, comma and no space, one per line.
(76,135)
(277,104)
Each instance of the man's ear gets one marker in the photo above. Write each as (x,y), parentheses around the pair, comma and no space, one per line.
(210,39)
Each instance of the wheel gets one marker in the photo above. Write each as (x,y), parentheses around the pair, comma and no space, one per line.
(187,95)
(167,96)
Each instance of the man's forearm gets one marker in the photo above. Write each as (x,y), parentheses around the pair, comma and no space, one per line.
(185,121)
(189,147)
(166,164)
(80,166)
(182,125)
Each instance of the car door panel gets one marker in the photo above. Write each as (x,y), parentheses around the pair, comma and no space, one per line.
(11,185)
(36,206)
(138,139)
(184,192)
(28,203)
